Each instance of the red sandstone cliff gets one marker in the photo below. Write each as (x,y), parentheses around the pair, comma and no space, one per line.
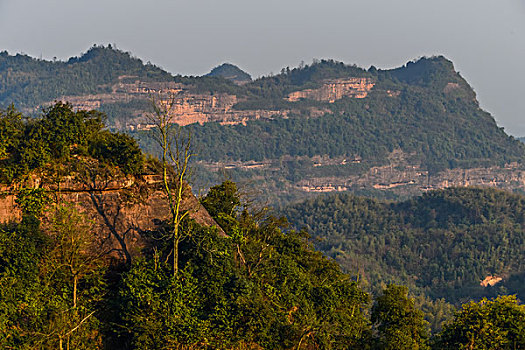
(120,208)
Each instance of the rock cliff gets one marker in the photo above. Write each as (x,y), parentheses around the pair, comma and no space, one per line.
(333,90)
(120,209)
(189,107)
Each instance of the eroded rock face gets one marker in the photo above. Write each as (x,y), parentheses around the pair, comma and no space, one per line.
(186,107)
(334,90)
(406,178)
(121,211)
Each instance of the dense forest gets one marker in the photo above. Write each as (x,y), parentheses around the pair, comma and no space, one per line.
(249,281)
(28,82)
(441,244)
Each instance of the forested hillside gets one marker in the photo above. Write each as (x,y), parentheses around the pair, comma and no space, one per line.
(29,82)
(230,72)
(442,244)
(243,280)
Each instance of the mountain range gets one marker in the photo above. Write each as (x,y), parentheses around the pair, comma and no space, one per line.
(322,127)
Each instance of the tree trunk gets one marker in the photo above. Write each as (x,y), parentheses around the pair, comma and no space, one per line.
(75,283)
(176,250)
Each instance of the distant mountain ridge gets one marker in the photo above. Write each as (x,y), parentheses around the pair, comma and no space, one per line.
(326,126)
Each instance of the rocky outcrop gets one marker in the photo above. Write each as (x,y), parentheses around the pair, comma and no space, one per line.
(121,210)
(404,178)
(333,90)
(187,107)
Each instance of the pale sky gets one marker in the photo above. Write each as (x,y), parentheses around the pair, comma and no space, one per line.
(484,38)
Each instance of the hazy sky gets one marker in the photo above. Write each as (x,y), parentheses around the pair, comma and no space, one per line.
(484,38)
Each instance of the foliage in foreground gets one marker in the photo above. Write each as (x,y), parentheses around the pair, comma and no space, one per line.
(260,287)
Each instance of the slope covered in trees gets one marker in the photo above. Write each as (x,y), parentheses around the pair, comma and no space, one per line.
(28,82)
(442,244)
(253,284)
(443,127)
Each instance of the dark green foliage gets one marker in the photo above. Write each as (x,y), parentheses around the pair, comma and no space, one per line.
(58,135)
(21,247)
(222,199)
(398,323)
(10,131)
(119,150)
(489,324)
(36,298)
(441,244)
(27,81)
(439,133)
(230,72)
(259,286)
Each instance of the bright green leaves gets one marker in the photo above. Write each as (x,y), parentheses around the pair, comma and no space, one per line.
(32,201)
(488,324)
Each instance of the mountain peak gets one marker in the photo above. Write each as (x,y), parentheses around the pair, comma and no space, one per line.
(231,72)
(97,52)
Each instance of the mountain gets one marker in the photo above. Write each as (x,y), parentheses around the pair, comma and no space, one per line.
(522,139)
(230,72)
(456,244)
(323,127)
(29,82)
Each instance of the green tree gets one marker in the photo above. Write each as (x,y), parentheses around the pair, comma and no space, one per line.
(398,323)
(487,324)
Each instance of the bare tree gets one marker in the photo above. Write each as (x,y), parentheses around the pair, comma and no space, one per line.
(175,145)
(73,257)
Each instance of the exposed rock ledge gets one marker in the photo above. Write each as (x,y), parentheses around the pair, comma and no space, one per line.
(120,210)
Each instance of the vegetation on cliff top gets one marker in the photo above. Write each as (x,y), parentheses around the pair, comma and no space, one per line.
(59,135)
